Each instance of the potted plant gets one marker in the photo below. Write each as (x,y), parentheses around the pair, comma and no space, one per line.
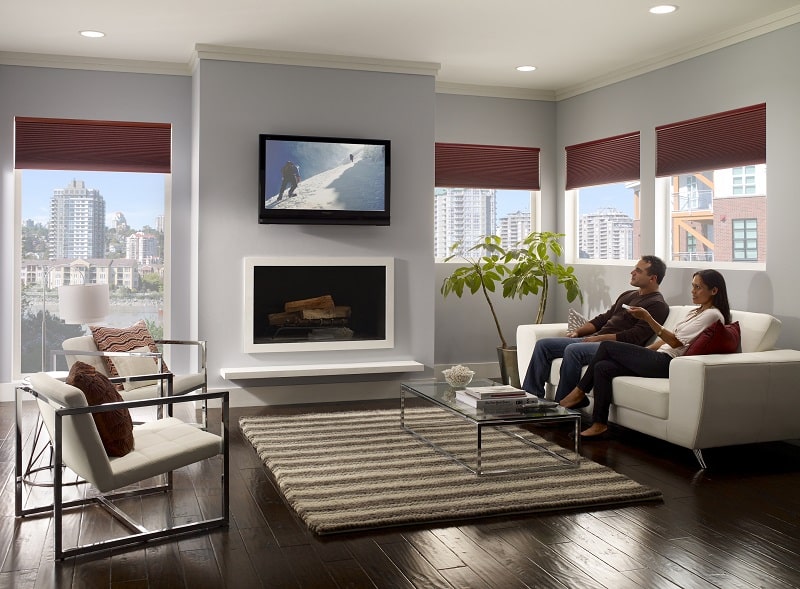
(522,270)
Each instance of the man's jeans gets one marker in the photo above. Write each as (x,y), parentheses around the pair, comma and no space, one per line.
(575,353)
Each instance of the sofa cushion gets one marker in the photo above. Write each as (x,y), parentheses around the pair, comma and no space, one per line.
(716,339)
(115,427)
(645,395)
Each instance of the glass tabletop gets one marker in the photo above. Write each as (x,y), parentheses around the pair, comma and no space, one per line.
(444,395)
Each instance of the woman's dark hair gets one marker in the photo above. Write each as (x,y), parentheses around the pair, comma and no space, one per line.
(712,278)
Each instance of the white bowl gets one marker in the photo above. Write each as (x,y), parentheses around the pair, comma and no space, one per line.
(458,376)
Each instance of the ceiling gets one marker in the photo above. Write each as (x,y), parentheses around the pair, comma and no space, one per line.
(576,45)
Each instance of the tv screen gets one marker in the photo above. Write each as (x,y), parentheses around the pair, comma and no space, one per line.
(323,180)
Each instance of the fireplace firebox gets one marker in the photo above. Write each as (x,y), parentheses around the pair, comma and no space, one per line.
(306,304)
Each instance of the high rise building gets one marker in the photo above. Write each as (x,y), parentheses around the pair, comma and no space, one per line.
(462,215)
(77,226)
(142,247)
(606,234)
(513,228)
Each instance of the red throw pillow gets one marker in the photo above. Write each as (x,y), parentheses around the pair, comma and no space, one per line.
(115,427)
(716,339)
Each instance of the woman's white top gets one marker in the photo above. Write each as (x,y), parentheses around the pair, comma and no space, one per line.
(689,328)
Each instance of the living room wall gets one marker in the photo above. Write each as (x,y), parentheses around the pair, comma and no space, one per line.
(234,102)
(746,73)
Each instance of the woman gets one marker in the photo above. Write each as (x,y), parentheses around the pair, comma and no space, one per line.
(620,359)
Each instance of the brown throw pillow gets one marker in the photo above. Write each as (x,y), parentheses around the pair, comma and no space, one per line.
(115,427)
(122,339)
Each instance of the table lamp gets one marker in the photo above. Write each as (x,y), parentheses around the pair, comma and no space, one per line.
(83,303)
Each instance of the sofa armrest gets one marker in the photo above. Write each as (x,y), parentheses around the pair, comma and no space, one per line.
(728,399)
(527,335)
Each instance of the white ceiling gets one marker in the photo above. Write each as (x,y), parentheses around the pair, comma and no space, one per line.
(575,44)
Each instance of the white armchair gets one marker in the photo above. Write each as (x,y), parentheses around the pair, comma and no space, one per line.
(160,447)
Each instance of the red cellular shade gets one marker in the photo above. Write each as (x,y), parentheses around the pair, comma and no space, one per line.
(604,161)
(487,166)
(106,146)
(724,140)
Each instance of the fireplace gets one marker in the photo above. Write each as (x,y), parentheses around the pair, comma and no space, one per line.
(315,304)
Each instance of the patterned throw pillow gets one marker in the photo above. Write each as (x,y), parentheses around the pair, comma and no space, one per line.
(122,339)
(115,427)
(575,320)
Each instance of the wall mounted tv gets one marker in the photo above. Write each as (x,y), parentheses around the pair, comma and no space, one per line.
(323,180)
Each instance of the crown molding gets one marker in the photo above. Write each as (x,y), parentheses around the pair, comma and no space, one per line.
(343,62)
(494,91)
(81,62)
(754,29)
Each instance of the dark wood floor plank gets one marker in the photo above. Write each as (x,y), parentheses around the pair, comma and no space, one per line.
(200,568)
(421,573)
(164,570)
(268,559)
(234,561)
(379,568)
(348,574)
(433,549)
(500,563)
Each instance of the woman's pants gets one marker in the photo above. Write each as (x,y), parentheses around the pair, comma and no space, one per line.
(619,359)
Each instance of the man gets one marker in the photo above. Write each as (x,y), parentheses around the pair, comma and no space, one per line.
(290,176)
(616,324)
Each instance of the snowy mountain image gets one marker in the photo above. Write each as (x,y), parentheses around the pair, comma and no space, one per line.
(333,176)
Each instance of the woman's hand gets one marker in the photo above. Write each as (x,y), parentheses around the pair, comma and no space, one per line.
(640,313)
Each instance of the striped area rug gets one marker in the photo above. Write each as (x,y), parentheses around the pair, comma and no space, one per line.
(357,470)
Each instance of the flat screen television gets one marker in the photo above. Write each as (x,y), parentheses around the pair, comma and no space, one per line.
(323,180)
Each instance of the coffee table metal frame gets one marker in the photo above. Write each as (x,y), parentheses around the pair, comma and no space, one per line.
(442,395)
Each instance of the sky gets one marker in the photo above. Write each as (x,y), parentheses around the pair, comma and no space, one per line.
(140,197)
(591,199)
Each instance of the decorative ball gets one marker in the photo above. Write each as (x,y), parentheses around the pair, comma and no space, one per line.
(458,376)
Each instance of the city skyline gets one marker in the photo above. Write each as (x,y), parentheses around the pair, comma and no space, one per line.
(137,196)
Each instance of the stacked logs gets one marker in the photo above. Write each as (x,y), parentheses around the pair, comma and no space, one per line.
(311,312)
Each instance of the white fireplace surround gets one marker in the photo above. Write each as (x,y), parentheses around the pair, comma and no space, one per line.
(251,347)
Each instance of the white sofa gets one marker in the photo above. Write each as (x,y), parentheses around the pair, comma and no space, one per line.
(707,401)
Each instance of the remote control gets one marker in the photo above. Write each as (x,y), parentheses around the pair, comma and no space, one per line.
(625,306)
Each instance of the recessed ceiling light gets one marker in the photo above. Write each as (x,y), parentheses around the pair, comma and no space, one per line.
(526,68)
(92,34)
(663,9)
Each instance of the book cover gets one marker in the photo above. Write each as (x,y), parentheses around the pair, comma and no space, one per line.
(496,403)
(495,391)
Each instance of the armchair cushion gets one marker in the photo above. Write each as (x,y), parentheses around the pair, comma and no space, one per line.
(135,365)
(717,339)
(115,427)
(122,339)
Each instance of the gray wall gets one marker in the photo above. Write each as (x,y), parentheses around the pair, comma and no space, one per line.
(235,102)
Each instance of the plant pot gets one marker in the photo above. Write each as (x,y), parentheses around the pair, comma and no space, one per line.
(509,373)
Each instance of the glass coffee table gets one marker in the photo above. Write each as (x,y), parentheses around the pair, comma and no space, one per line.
(442,395)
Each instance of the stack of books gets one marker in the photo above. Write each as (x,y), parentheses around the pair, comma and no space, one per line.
(496,398)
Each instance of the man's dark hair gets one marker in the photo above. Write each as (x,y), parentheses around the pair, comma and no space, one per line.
(657,267)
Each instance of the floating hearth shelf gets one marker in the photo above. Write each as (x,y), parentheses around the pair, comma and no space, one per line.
(339,368)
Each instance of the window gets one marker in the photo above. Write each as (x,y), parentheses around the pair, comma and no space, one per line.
(715,176)
(603,184)
(79,226)
(745,240)
(483,190)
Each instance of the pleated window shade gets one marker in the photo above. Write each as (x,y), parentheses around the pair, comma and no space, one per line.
(724,140)
(487,166)
(603,161)
(104,146)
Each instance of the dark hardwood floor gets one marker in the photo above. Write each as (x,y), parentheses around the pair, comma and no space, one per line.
(735,525)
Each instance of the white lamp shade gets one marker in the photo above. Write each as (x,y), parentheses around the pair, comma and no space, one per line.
(83,303)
